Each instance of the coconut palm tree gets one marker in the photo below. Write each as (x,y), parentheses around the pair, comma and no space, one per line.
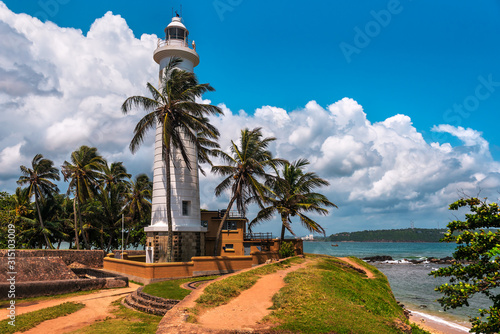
(22,211)
(138,200)
(173,107)
(39,180)
(206,150)
(116,173)
(244,173)
(83,174)
(291,195)
(106,211)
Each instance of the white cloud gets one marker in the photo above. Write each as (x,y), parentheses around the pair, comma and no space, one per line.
(274,115)
(9,160)
(468,136)
(60,89)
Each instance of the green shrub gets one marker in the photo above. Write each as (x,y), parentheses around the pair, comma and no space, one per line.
(287,249)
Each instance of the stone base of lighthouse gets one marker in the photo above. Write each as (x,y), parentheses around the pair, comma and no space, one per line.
(185,245)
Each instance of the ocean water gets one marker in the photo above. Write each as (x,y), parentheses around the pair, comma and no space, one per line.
(410,283)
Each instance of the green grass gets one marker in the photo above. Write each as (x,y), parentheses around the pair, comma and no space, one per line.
(127,321)
(29,320)
(22,301)
(327,297)
(138,283)
(172,289)
(223,291)
(415,329)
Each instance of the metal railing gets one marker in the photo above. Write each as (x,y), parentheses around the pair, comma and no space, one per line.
(258,236)
(232,214)
(173,41)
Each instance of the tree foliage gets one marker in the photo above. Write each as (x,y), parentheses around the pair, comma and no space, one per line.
(477,266)
(290,194)
(245,172)
(102,193)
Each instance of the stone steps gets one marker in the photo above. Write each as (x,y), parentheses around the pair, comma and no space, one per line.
(149,304)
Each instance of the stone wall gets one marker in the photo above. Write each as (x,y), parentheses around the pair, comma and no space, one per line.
(36,269)
(198,266)
(185,245)
(102,280)
(91,258)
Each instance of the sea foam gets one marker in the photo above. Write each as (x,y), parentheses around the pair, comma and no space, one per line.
(441,321)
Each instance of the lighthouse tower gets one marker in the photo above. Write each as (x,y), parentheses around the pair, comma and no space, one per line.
(189,235)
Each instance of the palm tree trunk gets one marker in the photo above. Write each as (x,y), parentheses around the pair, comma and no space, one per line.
(47,241)
(85,243)
(219,230)
(284,219)
(169,206)
(77,243)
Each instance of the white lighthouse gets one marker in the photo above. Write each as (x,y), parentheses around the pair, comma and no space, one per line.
(189,237)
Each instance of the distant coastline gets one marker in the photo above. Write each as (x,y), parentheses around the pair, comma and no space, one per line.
(393,241)
(400,235)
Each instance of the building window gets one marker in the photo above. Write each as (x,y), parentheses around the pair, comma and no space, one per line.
(186,208)
(229,225)
(204,223)
(228,247)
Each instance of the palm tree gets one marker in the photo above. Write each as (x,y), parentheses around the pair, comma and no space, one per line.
(22,211)
(110,202)
(245,166)
(83,173)
(174,109)
(139,197)
(206,150)
(115,173)
(291,195)
(39,183)
(138,200)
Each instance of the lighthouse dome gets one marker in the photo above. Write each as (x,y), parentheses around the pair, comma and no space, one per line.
(176,30)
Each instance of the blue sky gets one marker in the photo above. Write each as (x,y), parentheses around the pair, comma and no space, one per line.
(425,60)
(435,63)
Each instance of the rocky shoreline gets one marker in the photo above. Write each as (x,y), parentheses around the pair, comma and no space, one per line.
(386,258)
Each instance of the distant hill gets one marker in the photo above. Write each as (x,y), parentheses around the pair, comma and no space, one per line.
(403,235)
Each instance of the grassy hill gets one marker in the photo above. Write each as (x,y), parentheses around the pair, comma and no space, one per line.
(328,296)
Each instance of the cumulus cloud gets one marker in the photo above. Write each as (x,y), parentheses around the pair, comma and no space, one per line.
(379,172)
(60,89)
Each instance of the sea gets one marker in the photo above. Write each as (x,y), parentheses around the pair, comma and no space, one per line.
(411,284)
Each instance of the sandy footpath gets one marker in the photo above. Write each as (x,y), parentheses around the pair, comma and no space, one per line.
(97,307)
(242,314)
(250,306)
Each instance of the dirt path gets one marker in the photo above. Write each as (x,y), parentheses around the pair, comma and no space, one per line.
(369,274)
(242,313)
(97,307)
(250,306)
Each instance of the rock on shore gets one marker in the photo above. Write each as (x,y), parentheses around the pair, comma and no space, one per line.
(382,258)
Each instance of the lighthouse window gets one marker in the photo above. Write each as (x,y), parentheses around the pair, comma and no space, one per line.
(186,208)
(176,33)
